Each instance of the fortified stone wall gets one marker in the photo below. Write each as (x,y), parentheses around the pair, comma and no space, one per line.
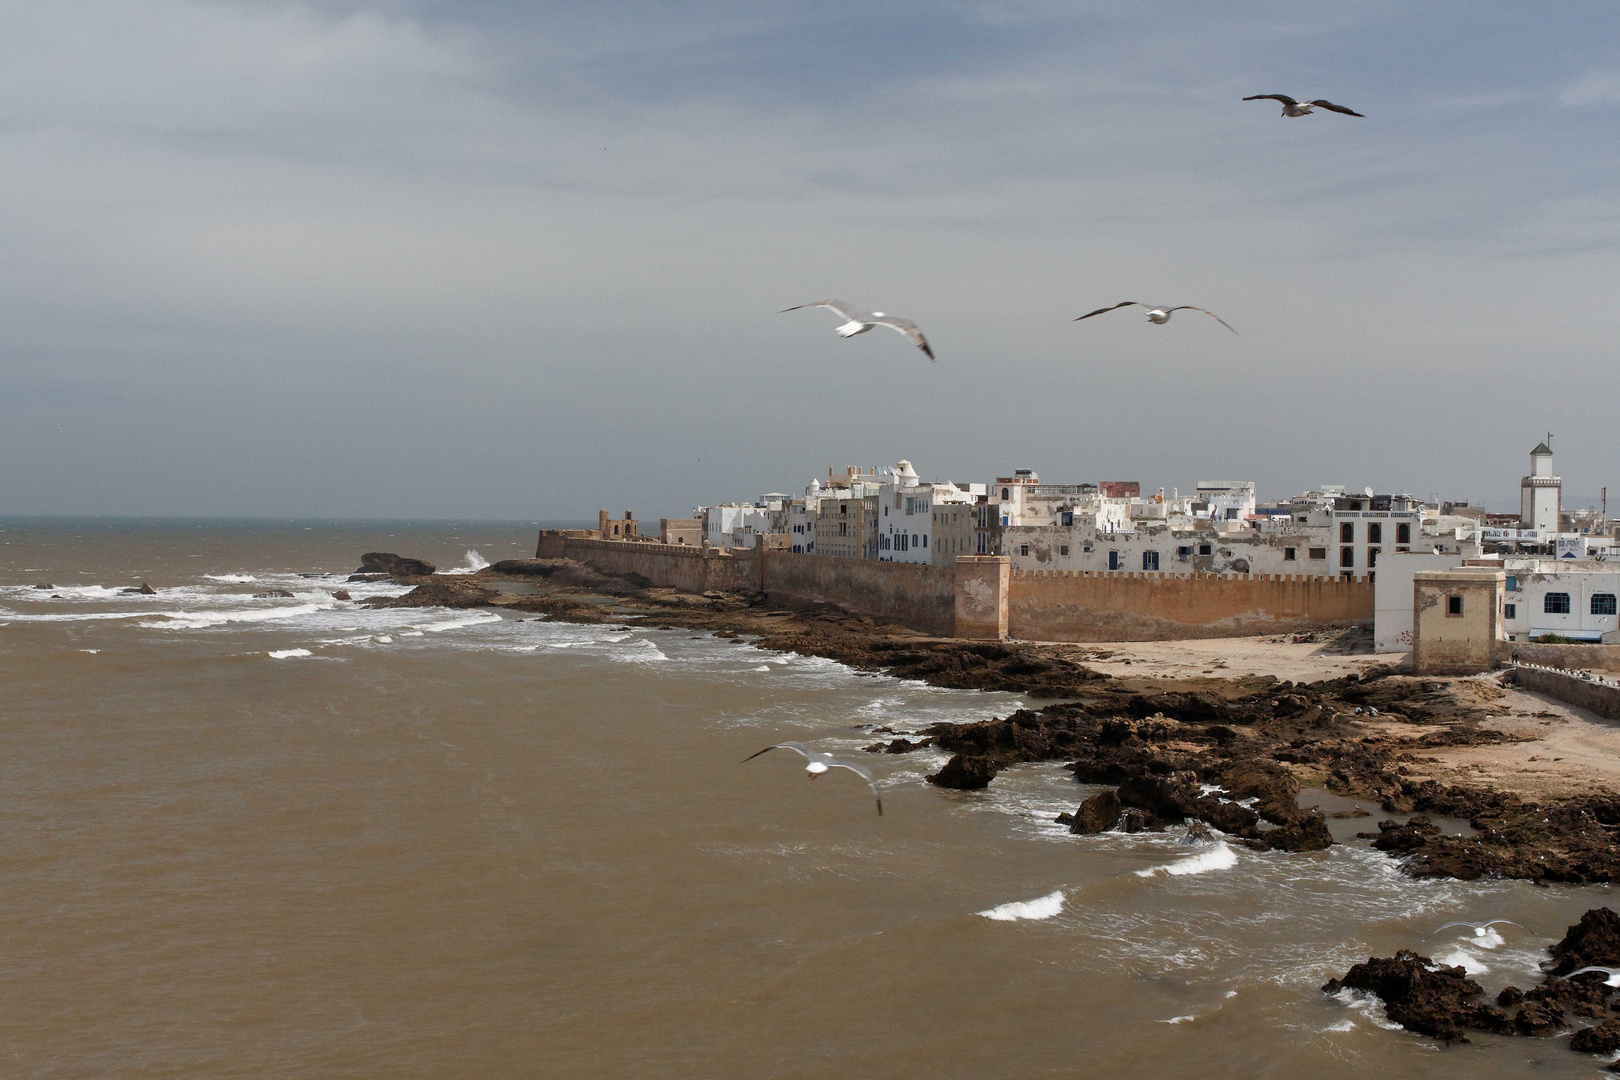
(1100,606)
(1599,698)
(913,594)
(670,566)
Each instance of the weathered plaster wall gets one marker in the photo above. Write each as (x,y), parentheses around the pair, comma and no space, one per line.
(1084,606)
(670,566)
(982,587)
(1603,700)
(1456,644)
(913,594)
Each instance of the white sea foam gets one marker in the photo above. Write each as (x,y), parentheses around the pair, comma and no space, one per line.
(1179,1019)
(92,652)
(1368,1005)
(1342,1025)
(202,620)
(383,639)
(232,579)
(1218,857)
(763,667)
(1042,907)
(287,654)
(475,563)
(460,623)
(1460,957)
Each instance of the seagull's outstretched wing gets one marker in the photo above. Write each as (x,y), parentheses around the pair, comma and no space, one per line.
(1438,930)
(1101,310)
(1211,314)
(1328,105)
(1505,922)
(796,747)
(908,328)
(1284,98)
(861,772)
(843,307)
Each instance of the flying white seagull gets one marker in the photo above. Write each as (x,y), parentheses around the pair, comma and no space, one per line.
(859,322)
(1157,315)
(1303,108)
(1612,973)
(1480,928)
(820,763)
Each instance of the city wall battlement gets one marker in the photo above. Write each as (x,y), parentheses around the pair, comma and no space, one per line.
(981,598)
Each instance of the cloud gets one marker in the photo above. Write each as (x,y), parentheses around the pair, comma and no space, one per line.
(1594,88)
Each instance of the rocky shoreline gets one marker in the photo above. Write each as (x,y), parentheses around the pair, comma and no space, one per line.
(1232,754)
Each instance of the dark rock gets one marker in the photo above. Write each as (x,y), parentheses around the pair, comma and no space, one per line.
(1402,839)
(144,590)
(1172,798)
(1274,786)
(1198,833)
(342,594)
(897,746)
(451,593)
(391,565)
(45,586)
(1594,941)
(1229,817)
(1195,708)
(1135,821)
(1538,1018)
(1307,832)
(1440,1002)
(1603,1039)
(273,594)
(964,773)
(1097,814)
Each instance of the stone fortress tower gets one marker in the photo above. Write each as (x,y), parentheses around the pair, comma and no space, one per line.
(1540,493)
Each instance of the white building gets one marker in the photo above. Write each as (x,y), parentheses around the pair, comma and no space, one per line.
(907,511)
(1226,500)
(1540,493)
(1575,600)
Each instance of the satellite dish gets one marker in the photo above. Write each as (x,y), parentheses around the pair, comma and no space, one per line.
(1369,492)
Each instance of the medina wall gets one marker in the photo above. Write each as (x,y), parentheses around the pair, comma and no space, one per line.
(1101,606)
(669,566)
(1601,698)
(917,595)
(1592,657)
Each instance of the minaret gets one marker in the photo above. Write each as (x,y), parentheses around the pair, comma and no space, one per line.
(1540,495)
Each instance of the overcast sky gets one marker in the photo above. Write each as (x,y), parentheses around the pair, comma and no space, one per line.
(432,260)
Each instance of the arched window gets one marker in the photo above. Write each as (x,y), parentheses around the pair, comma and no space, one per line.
(1556,603)
(1603,603)
(1403,533)
(1006,494)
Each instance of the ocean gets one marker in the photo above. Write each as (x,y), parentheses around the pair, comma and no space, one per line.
(292,836)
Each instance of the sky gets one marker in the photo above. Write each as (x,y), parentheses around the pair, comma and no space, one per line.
(428,260)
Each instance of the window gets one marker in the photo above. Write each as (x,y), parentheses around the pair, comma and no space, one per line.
(1182,553)
(1023,549)
(1068,517)
(1372,558)
(1231,513)
(1512,583)
(1006,495)
(1063,549)
(1347,533)
(1603,603)
(1113,560)
(1205,549)
(1403,533)
(1347,556)
(1318,553)
(1150,560)
(843,528)
(1556,603)
(1290,554)
(1375,533)
(843,510)
(1453,605)
(1510,611)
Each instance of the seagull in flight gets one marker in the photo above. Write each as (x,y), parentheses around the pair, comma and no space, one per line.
(859,322)
(1158,315)
(1303,108)
(1612,973)
(1480,928)
(820,763)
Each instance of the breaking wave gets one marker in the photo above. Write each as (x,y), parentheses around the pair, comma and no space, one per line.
(1218,857)
(287,654)
(1042,907)
(475,563)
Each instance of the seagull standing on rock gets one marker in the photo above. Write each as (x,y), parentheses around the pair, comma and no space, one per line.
(859,322)
(1157,315)
(1303,108)
(819,763)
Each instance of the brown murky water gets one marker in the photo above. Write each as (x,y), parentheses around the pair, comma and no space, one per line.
(290,837)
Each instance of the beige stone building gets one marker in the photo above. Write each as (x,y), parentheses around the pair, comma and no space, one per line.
(846,525)
(1457,620)
(626,528)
